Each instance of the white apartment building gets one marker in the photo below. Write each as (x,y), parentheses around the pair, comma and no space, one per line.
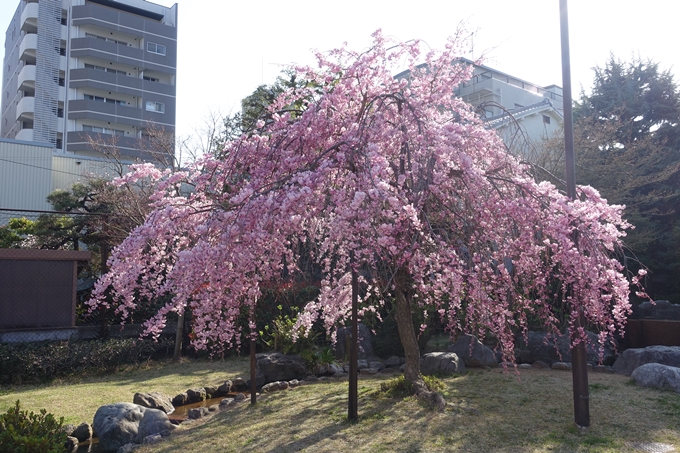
(75,69)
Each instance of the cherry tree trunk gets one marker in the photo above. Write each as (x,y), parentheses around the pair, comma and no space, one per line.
(407,335)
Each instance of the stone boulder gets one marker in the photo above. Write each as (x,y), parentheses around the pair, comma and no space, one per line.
(71,444)
(180,400)
(441,362)
(365,343)
(224,389)
(154,400)
(657,376)
(83,432)
(239,385)
(196,395)
(548,348)
(632,358)
(660,309)
(275,366)
(123,423)
(473,352)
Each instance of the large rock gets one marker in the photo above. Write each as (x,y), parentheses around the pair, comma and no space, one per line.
(660,309)
(473,352)
(154,400)
(441,363)
(83,432)
(657,376)
(275,366)
(196,395)
(123,423)
(632,358)
(548,348)
(365,343)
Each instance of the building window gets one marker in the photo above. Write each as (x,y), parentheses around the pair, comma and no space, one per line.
(155,48)
(58,145)
(89,97)
(60,113)
(150,79)
(546,119)
(152,106)
(115,41)
(103,130)
(101,68)
(62,51)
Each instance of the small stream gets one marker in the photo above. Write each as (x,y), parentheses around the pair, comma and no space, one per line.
(180,414)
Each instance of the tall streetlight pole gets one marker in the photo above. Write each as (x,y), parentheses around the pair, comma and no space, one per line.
(579,367)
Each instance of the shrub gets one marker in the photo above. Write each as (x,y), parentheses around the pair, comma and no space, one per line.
(39,362)
(23,432)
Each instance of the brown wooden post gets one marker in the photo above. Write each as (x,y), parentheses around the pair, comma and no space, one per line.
(352,412)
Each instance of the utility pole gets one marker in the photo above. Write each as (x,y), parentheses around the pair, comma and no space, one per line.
(579,367)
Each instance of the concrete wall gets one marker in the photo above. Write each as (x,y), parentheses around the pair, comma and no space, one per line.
(25,175)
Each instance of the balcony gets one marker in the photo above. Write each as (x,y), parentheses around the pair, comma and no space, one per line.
(27,76)
(81,143)
(28,46)
(29,17)
(25,135)
(26,108)
(83,77)
(128,55)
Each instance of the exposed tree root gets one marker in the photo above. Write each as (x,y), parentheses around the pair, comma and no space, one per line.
(433,399)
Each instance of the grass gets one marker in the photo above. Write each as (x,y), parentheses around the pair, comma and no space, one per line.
(488,411)
(78,399)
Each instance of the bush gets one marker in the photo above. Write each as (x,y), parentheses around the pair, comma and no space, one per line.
(399,387)
(23,432)
(39,362)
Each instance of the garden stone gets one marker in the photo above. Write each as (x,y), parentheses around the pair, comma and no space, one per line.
(370,371)
(602,369)
(658,376)
(539,364)
(311,378)
(71,444)
(259,382)
(123,423)
(68,429)
(128,448)
(152,439)
(154,400)
(365,343)
(393,361)
(197,412)
(239,397)
(361,363)
(525,366)
(632,358)
(275,366)
(294,383)
(561,366)
(550,348)
(211,391)
(180,400)
(334,368)
(271,387)
(196,395)
(239,385)
(283,385)
(660,309)
(441,362)
(473,352)
(224,389)
(377,365)
(214,408)
(340,375)
(83,432)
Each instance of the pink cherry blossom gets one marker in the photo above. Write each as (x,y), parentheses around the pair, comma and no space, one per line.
(401,175)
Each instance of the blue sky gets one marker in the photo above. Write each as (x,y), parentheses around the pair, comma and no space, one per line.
(227,48)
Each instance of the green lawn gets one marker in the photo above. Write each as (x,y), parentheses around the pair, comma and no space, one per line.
(489,411)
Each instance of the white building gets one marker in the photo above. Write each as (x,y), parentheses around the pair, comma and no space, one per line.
(75,69)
